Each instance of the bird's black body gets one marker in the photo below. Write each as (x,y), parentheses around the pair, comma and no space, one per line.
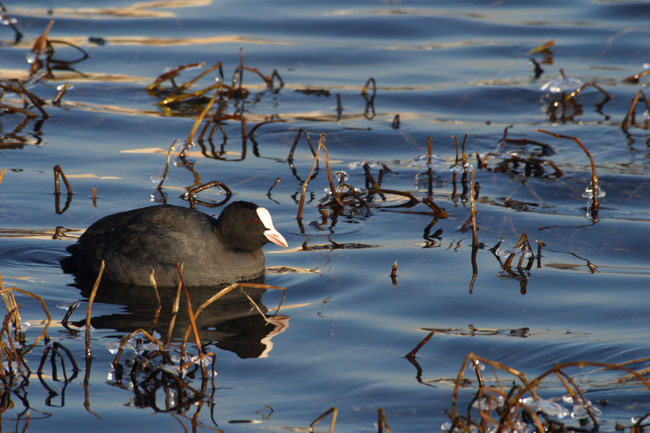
(212,251)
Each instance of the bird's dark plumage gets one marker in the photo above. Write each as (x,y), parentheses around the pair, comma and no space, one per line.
(213,251)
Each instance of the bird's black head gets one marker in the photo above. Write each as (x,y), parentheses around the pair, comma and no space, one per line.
(246,226)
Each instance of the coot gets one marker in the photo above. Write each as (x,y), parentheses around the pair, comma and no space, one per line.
(214,251)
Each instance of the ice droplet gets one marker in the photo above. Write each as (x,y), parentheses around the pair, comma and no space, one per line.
(31,57)
(548,407)
(589,192)
(113,347)
(359,164)
(488,403)
(171,369)
(561,84)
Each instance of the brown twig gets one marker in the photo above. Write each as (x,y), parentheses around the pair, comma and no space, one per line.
(366,86)
(43,333)
(473,210)
(339,107)
(200,117)
(321,145)
(57,99)
(189,83)
(94,196)
(634,79)
(192,318)
(424,341)
(175,305)
(438,212)
(39,46)
(164,176)
(268,194)
(91,299)
(594,177)
(68,313)
(295,143)
(393,273)
(382,422)
(58,172)
(583,87)
(332,410)
(169,75)
(629,117)
(154,285)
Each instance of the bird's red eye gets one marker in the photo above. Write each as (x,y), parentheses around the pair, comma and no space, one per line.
(256,220)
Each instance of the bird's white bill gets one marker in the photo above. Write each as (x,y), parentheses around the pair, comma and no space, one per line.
(271,233)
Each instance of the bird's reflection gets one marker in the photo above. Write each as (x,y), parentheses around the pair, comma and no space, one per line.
(231,323)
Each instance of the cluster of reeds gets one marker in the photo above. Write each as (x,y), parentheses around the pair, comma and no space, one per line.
(178,96)
(16,346)
(342,196)
(516,403)
(160,365)
(508,401)
(42,56)
(156,365)
(518,260)
(536,164)
(42,64)
(565,107)
(382,421)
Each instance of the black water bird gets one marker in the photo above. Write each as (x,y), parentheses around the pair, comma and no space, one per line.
(213,251)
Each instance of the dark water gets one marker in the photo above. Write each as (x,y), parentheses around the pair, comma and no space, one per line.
(446,68)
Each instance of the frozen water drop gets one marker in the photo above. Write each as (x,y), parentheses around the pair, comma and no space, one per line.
(31,57)
(561,84)
(66,305)
(589,192)
(503,252)
(359,164)
(488,403)
(171,369)
(113,347)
